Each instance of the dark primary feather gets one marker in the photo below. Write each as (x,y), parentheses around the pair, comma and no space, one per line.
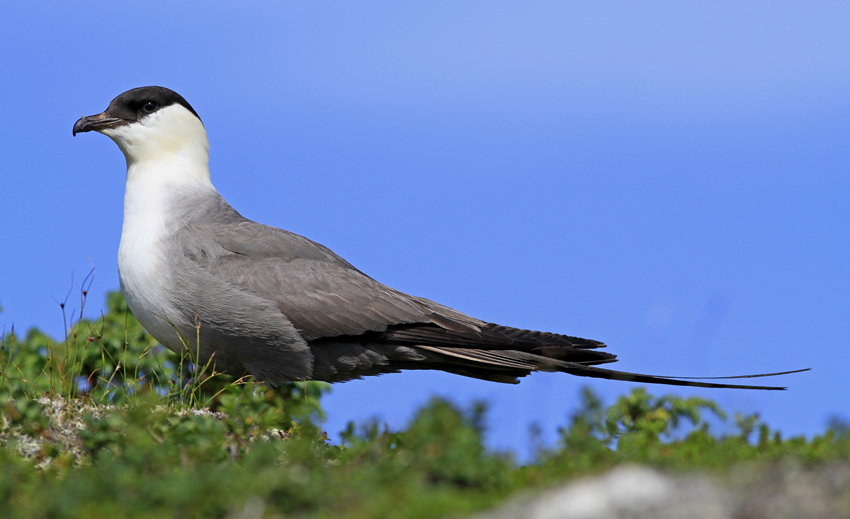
(335,323)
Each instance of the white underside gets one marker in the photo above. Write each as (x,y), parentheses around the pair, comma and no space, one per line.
(144,268)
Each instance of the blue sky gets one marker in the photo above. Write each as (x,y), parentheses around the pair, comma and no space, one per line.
(671,179)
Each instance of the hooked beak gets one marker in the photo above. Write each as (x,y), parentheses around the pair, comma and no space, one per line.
(99,122)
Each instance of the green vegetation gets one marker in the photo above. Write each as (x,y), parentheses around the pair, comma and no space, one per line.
(108,424)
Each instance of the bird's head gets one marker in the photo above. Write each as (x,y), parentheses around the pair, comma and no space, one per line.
(150,124)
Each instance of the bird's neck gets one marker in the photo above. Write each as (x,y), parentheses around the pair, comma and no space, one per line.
(168,174)
(161,194)
(169,156)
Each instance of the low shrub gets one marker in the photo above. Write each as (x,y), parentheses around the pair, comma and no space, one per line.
(107,423)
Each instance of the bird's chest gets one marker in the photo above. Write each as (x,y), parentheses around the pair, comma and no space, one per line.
(144,267)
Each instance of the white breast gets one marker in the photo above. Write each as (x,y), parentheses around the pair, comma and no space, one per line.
(143,266)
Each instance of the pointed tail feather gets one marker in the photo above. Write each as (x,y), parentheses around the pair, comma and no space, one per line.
(508,360)
(610,374)
(759,375)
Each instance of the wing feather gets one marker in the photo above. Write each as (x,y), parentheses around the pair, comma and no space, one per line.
(320,293)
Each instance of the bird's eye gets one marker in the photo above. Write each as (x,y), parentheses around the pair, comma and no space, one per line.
(149,106)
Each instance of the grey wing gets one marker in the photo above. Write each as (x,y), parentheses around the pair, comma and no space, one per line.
(320,293)
(335,307)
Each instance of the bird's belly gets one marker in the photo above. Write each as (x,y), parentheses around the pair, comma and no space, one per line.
(145,276)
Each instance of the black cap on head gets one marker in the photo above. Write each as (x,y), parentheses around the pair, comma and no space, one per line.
(132,106)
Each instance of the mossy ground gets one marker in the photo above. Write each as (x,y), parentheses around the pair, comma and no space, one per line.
(108,424)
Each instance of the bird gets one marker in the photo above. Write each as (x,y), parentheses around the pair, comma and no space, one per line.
(257,300)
